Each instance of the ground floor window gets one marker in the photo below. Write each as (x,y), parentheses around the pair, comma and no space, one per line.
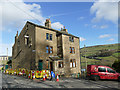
(60,64)
(72,63)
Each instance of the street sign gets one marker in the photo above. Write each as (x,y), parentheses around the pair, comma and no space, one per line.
(52,74)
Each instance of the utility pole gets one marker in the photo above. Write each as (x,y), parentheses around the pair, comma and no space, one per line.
(80,59)
(85,56)
(7,52)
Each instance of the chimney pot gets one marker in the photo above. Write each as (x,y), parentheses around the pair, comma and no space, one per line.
(64,27)
(17,33)
(48,23)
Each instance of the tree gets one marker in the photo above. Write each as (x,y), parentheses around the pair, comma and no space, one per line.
(116,65)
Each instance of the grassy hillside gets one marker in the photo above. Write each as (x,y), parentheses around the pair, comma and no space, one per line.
(100,54)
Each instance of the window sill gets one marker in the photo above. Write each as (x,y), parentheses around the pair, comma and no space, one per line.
(72,67)
(49,40)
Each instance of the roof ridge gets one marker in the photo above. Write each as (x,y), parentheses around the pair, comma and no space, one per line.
(52,29)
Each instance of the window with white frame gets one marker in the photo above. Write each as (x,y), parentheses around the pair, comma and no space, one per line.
(72,63)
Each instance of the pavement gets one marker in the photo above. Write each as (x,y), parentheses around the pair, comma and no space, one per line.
(9,81)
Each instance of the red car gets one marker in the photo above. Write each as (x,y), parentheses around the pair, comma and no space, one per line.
(97,72)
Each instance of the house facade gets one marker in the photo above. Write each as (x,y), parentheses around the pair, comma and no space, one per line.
(4,60)
(41,47)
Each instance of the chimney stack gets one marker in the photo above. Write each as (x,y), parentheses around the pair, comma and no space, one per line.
(65,30)
(48,23)
(16,37)
(17,33)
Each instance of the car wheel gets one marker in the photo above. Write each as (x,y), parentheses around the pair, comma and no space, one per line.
(96,78)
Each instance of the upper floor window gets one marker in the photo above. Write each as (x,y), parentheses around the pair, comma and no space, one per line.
(72,50)
(71,39)
(60,64)
(26,39)
(49,49)
(48,36)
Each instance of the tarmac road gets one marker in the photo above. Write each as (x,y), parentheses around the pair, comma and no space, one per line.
(9,81)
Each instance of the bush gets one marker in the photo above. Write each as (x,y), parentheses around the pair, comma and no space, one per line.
(116,65)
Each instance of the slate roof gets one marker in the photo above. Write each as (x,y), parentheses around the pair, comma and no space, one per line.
(59,32)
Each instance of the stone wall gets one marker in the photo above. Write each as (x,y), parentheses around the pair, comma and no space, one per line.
(23,57)
(41,43)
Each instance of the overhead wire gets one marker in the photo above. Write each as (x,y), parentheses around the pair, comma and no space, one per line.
(24,11)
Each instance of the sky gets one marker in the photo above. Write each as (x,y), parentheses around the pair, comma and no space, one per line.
(95,23)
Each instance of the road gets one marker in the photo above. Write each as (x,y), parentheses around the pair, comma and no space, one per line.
(9,81)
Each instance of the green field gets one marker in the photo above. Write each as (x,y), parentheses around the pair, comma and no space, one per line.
(100,55)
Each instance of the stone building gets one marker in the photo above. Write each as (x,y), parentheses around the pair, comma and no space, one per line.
(41,47)
(4,60)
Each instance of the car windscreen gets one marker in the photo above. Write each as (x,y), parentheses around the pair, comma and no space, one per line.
(110,70)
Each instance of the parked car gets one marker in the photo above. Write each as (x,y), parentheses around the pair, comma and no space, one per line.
(97,72)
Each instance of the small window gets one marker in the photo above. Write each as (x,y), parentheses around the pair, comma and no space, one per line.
(47,36)
(60,64)
(71,63)
(50,36)
(51,49)
(71,39)
(110,70)
(72,50)
(26,39)
(74,63)
(101,69)
(47,49)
